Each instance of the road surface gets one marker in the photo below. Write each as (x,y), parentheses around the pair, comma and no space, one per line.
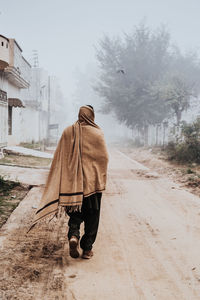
(147,247)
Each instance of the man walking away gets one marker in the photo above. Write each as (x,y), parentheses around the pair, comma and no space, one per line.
(76,181)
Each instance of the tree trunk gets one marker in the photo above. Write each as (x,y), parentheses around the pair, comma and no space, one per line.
(157,127)
(146,135)
(178,117)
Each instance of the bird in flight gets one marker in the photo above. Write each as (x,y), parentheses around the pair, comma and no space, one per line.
(121,71)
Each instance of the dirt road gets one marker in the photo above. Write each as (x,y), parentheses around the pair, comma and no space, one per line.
(147,248)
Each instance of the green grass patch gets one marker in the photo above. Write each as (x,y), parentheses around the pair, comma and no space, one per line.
(30,145)
(189,171)
(6,185)
(11,193)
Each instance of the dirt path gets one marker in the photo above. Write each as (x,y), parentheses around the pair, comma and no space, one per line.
(147,248)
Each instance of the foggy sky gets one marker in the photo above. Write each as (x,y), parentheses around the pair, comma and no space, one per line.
(64,32)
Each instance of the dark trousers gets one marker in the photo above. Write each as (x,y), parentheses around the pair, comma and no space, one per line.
(89,214)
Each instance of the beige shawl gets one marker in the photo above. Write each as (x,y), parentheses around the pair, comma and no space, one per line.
(78,169)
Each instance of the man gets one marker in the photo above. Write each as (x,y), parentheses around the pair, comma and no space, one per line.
(76,180)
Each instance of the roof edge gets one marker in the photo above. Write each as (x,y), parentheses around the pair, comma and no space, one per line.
(4,37)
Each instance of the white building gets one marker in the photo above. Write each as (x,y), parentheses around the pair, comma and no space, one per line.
(31,103)
(43,108)
(35,114)
(14,75)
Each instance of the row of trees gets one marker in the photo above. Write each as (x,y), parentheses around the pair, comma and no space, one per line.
(144,79)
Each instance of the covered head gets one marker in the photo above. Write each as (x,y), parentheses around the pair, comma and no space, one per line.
(86,115)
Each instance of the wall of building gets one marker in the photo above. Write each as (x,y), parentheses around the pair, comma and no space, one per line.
(12,79)
(3,123)
(3,82)
(36,94)
(18,61)
(3,112)
(4,50)
(25,126)
(17,125)
(38,90)
(14,92)
(30,124)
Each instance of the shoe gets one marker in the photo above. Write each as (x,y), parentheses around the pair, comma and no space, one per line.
(73,247)
(87,254)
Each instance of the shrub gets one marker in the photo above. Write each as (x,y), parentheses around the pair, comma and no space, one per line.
(6,185)
(188,148)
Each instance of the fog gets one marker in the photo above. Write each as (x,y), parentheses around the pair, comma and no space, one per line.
(137,62)
(65,33)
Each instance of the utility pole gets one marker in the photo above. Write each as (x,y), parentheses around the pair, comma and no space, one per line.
(35,59)
(40,110)
(48,115)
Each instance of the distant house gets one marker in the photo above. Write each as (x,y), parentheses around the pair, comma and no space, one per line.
(15,74)
(31,103)
(35,114)
(44,108)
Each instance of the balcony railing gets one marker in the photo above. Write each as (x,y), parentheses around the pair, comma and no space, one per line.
(3,96)
(14,76)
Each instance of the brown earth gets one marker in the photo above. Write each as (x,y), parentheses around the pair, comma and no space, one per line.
(147,247)
(187,175)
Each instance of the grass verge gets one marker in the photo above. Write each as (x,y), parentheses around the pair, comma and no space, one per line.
(11,193)
(25,160)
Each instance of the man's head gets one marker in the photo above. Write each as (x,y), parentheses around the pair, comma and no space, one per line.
(90,106)
(86,114)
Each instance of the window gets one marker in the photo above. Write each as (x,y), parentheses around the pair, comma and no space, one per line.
(2,43)
(9,120)
(6,45)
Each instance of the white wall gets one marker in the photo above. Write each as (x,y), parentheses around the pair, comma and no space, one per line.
(3,112)
(3,123)
(30,123)
(25,125)
(4,50)
(20,63)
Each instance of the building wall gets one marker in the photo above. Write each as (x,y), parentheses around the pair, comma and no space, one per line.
(18,61)
(14,75)
(37,93)
(24,126)
(38,90)
(3,112)
(4,50)
(18,124)
(3,82)
(29,125)
(3,123)
(17,55)
(14,92)
(43,125)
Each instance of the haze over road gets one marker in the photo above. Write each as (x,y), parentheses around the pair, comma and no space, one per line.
(147,248)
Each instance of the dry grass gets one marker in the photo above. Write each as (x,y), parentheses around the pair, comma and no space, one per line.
(25,160)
